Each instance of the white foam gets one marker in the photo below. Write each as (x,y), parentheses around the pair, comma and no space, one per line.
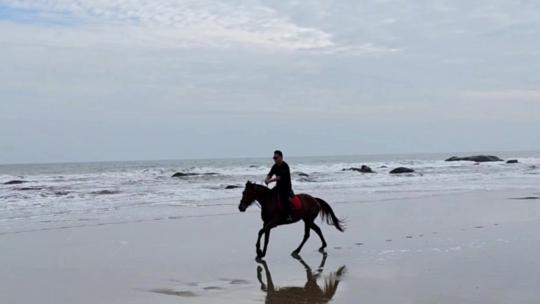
(140,192)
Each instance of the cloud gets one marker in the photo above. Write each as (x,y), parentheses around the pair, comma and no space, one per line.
(186,23)
(504,95)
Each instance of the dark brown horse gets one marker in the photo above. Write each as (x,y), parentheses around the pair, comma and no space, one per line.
(273,214)
(311,292)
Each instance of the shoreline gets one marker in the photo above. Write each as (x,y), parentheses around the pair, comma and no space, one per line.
(378,198)
(440,248)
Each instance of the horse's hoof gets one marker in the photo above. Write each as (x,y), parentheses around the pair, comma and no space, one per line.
(295,254)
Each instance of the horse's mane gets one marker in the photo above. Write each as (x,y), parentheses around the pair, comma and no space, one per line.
(261,187)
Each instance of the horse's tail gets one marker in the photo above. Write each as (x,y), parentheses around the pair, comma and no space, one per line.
(327,214)
(331,283)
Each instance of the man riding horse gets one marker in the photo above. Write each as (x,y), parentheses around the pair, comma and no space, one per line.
(283,182)
(273,215)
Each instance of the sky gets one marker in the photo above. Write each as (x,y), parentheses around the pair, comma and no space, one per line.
(94,80)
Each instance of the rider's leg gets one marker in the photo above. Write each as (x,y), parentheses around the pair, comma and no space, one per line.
(287,205)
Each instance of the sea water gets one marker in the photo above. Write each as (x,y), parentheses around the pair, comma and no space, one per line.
(67,195)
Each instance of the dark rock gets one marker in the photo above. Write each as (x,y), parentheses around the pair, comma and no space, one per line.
(232,187)
(30,188)
(363,169)
(253,166)
(186,174)
(366,169)
(105,192)
(303,174)
(512,161)
(182,174)
(527,198)
(400,170)
(15,182)
(476,158)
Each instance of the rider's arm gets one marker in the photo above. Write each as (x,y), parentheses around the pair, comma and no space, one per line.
(269,178)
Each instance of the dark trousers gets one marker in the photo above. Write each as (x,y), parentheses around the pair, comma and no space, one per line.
(285,198)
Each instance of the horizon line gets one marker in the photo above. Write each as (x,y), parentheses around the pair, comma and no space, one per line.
(252,157)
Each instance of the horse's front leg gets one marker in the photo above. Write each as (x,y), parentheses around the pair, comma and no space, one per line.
(259,278)
(258,245)
(267,229)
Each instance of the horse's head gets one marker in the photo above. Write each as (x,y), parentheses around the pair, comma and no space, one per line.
(248,196)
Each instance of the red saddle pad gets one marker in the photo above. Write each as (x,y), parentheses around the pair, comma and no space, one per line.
(297,203)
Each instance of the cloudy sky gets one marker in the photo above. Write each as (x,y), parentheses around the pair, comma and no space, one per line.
(84,80)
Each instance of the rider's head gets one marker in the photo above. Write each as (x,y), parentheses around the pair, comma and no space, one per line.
(278,157)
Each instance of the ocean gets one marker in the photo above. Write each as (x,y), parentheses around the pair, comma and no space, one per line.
(55,196)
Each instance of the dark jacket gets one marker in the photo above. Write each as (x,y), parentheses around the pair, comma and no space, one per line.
(284,184)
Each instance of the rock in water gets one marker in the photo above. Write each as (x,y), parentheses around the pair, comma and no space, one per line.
(15,182)
(363,169)
(182,174)
(476,158)
(366,169)
(401,170)
(303,174)
(512,161)
(228,187)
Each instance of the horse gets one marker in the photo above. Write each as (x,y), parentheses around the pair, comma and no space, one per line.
(274,214)
(311,292)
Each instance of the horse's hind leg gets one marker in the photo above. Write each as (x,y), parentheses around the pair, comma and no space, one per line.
(306,237)
(319,233)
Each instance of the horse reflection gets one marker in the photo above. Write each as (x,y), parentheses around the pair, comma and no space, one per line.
(310,293)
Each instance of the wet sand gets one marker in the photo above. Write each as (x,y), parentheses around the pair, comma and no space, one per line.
(480,247)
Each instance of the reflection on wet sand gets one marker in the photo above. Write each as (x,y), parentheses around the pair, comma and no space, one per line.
(310,293)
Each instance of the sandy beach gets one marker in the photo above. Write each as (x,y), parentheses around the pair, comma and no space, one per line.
(476,247)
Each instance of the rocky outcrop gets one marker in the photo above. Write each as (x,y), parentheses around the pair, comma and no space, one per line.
(512,161)
(401,170)
(363,169)
(228,187)
(303,174)
(476,158)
